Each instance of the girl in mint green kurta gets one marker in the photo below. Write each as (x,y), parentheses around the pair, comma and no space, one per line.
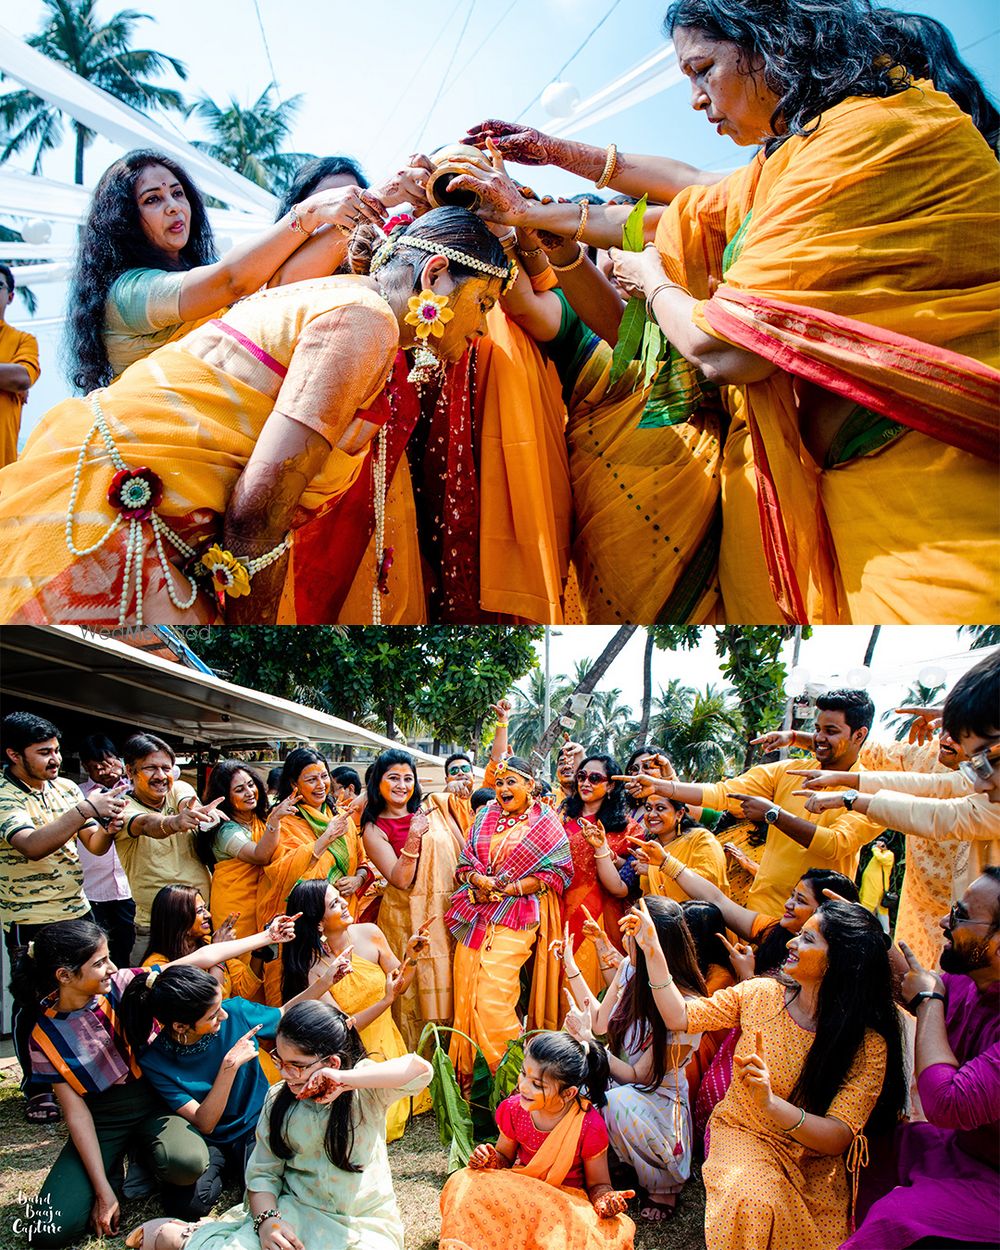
(327,1207)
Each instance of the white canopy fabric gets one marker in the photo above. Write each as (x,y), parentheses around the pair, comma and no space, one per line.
(122,124)
(83,672)
(652,75)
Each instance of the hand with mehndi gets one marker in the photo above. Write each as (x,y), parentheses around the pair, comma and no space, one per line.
(282,928)
(486,1158)
(612,1202)
(594,833)
(521,144)
(638,925)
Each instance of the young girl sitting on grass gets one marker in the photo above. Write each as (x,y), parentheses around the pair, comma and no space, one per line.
(557,1190)
(204,1061)
(318,1178)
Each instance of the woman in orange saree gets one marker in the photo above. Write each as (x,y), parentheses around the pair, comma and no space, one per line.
(205,458)
(597,827)
(841,289)
(315,842)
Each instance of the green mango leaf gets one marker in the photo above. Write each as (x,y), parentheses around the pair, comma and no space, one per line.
(654,348)
(454,1117)
(629,338)
(505,1079)
(484,1126)
(633,239)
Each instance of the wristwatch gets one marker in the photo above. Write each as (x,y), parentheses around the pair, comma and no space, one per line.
(772,814)
(922,997)
(849,797)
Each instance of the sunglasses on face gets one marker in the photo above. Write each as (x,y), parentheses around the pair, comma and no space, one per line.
(979,767)
(455,769)
(593,778)
(959,915)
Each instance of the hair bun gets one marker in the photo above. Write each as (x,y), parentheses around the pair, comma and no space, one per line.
(364,242)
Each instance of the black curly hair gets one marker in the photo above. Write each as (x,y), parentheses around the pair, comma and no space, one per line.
(112,241)
(812,56)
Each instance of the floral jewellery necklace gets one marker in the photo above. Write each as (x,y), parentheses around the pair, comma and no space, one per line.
(136,493)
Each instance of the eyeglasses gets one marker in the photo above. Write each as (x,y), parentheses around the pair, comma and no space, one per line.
(455,769)
(295,1069)
(979,766)
(593,778)
(959,915)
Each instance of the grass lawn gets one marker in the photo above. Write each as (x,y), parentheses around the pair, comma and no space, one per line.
(418,1168)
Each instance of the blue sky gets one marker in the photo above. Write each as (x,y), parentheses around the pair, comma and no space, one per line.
(376,81)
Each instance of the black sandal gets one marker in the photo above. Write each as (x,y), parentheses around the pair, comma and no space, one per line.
(42,1109)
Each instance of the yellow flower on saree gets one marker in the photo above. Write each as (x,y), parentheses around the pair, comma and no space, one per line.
(228,575)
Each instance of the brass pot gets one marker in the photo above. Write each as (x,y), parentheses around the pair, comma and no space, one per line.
(449,163)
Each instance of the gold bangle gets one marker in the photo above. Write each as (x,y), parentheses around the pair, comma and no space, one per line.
(295,225)
(606,855)
(672,867)
(573,263)
(531,252)
(610,167)
(410,854)
(584,214)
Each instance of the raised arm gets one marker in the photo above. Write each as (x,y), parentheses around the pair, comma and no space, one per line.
(248,266)
(739,919)
(660,177)
(78,821)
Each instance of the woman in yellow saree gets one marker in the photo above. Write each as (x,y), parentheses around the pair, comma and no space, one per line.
(841,289)
(202,459)
(369,976)
(511,874)
(417,858)
(316,842)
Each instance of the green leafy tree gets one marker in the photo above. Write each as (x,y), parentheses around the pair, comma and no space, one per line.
(100,52)
(601,726)
(385,679)
(253,140)
(527,720)
(918,695)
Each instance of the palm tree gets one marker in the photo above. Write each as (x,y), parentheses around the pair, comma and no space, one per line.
(603,723)
(918,695)
(527,720)
(100,53)
(701,730)
(982,635)
(252,140)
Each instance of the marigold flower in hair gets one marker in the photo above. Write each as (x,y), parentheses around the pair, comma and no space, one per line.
(429,313)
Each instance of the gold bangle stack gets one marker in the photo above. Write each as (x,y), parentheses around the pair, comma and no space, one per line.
(610,167)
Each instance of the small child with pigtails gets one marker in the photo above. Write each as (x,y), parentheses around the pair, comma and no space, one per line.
(546,1181)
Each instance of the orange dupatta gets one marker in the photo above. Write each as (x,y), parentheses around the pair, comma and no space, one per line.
(553,1160)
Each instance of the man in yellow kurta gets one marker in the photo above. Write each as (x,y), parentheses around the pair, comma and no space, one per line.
(928,888)
(18,371)
(794,841)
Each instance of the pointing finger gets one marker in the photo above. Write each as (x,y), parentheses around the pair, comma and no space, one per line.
(911,959)
(759,1044)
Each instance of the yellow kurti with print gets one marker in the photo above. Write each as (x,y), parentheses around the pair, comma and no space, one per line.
(765,1190)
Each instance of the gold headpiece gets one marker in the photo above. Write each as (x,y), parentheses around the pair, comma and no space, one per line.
(505,766)
(506,273)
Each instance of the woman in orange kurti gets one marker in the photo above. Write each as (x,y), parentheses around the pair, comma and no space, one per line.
(819,1062)
(315,841)
(597,827)
(235,851)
